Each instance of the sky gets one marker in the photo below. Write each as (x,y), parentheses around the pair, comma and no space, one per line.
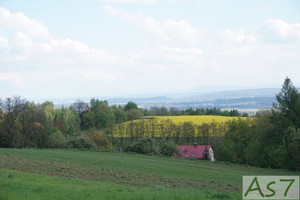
(114,48)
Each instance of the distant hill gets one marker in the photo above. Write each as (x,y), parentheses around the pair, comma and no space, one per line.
(233,94)
(139,100)
(239,99)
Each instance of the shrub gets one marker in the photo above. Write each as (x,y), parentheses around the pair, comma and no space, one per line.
(150,146)
(57,139)
(143,146)
(80,142)
(168,149)
(98,137)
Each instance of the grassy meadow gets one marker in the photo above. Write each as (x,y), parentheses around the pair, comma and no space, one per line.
(74,174)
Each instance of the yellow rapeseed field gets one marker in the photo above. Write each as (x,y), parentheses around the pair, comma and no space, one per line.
(196,119)
(173,126)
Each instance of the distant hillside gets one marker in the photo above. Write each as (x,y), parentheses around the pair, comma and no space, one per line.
(233,94)
(239,99)
(139,100)
(255,102)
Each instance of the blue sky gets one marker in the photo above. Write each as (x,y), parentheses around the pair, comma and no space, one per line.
(101,48)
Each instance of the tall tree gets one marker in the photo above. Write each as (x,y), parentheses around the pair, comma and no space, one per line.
(120,114)
(288,103)
(188,131)
(133,114)
(130,105)
(80,106)
(12,108)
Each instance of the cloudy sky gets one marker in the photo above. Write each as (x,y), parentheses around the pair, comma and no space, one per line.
(86,48)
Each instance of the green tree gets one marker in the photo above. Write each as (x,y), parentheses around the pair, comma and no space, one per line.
(133,114)
(80,106)
(143,146)
(56,139)
(286,121)
(3,136)
(206,154)
(234,113)
(288,103)
(120,114)
(31,120)
(235,141)
(168,149)
(130,105)
(12,108)
(105,116)
(88,120)
(294,149)
(99,138)
(188,131)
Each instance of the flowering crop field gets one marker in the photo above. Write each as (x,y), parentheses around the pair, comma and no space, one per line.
(174,126)
(196,119)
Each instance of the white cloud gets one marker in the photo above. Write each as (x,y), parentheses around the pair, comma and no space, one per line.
(23,43)
(33,42)
(13,78)
(192,51)
(239,37)
(166,61)
(190,58)
(279,30)
(181,30)
(170,63)
(3,43)
(66,46)
(170,31)
(19,20)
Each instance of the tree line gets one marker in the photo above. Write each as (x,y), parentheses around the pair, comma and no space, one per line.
(25,124)
(272,139)
(185,133)
(172,111)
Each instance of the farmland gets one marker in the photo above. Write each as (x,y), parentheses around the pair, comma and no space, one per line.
(72,174)
(174,127)
(196,119)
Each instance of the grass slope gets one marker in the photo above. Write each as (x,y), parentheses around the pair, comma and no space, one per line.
(26,186)
(72,174)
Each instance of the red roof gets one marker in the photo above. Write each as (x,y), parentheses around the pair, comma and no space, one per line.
(192,151)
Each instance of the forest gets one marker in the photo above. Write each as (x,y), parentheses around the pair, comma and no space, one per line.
(270,139)
(25,124)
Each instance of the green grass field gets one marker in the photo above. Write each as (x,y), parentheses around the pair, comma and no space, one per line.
(74,174)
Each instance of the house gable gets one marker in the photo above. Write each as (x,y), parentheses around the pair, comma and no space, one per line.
(194,151)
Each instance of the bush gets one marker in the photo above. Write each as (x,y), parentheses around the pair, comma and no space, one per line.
(149,146)
(57,139)
(80,142)
(143,146)
(168,149)
(3,140)
(226,152)
(98,137)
